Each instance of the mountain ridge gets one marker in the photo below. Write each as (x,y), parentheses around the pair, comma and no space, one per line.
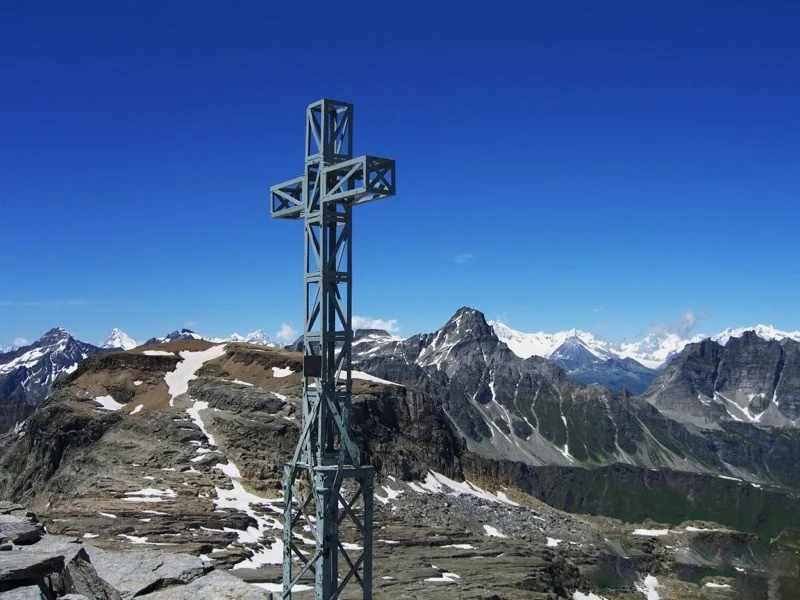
(652,351)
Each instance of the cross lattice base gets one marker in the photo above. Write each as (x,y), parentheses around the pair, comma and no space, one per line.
(325,497)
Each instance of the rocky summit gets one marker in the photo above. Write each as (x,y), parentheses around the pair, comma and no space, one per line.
(177,449)
(749,379)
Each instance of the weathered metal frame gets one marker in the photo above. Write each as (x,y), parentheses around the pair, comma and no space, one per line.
(332,183)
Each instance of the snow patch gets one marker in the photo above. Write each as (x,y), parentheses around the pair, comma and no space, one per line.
(651,532)
(194,413)
(648,588)
(137,409)
(108,403)
(281,371)
(553,542)
(390,495)
(441,484)
(445,578)
(493,532)
(367,377)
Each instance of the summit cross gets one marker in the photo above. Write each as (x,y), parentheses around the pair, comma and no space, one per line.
(326,456)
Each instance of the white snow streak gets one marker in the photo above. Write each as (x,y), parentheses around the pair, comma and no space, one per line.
(108,403)
(651,532)
(178,380)
(648,588)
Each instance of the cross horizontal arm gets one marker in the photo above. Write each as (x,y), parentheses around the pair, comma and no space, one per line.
(287,199)
(359,180)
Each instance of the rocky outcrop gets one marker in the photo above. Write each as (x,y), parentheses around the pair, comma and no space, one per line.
(749,379)
(56,566)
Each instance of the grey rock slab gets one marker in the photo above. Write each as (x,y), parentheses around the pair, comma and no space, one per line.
(7,507)
(20,530)
(47,557)
(216,584)
(29,592)
(21,566)
(74,597)
(138,572)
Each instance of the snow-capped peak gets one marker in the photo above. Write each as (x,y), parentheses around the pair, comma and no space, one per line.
(255,337)
(652,351)
(765,332)
(656,348)
(119,339)
(544,344)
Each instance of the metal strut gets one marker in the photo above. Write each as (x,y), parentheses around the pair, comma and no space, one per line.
(326,456)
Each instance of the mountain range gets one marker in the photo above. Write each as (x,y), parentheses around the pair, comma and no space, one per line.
(27,373)
(719,484)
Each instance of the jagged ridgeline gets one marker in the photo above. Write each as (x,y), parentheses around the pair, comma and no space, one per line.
(182,443)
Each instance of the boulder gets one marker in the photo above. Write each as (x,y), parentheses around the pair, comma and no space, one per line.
(17,567)
(20,531)
(217,584)
(28,592)
(138,572)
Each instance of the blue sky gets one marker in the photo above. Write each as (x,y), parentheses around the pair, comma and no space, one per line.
(601,165)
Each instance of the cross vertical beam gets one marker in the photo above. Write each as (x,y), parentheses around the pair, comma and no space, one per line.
(326,457)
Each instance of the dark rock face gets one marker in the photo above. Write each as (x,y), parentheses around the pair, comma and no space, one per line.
(750,379)
(27,374)
(531,411)
(635,494)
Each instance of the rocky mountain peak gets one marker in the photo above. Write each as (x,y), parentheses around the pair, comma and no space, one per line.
(27,374)
(467,320)
(55,335)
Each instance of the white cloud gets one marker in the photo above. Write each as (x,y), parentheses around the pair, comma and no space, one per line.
(190,323)
(370,323)
(689,322)
(286,333)
(19,342)
(463,257)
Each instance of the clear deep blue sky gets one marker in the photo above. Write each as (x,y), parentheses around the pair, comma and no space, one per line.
(601,165)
